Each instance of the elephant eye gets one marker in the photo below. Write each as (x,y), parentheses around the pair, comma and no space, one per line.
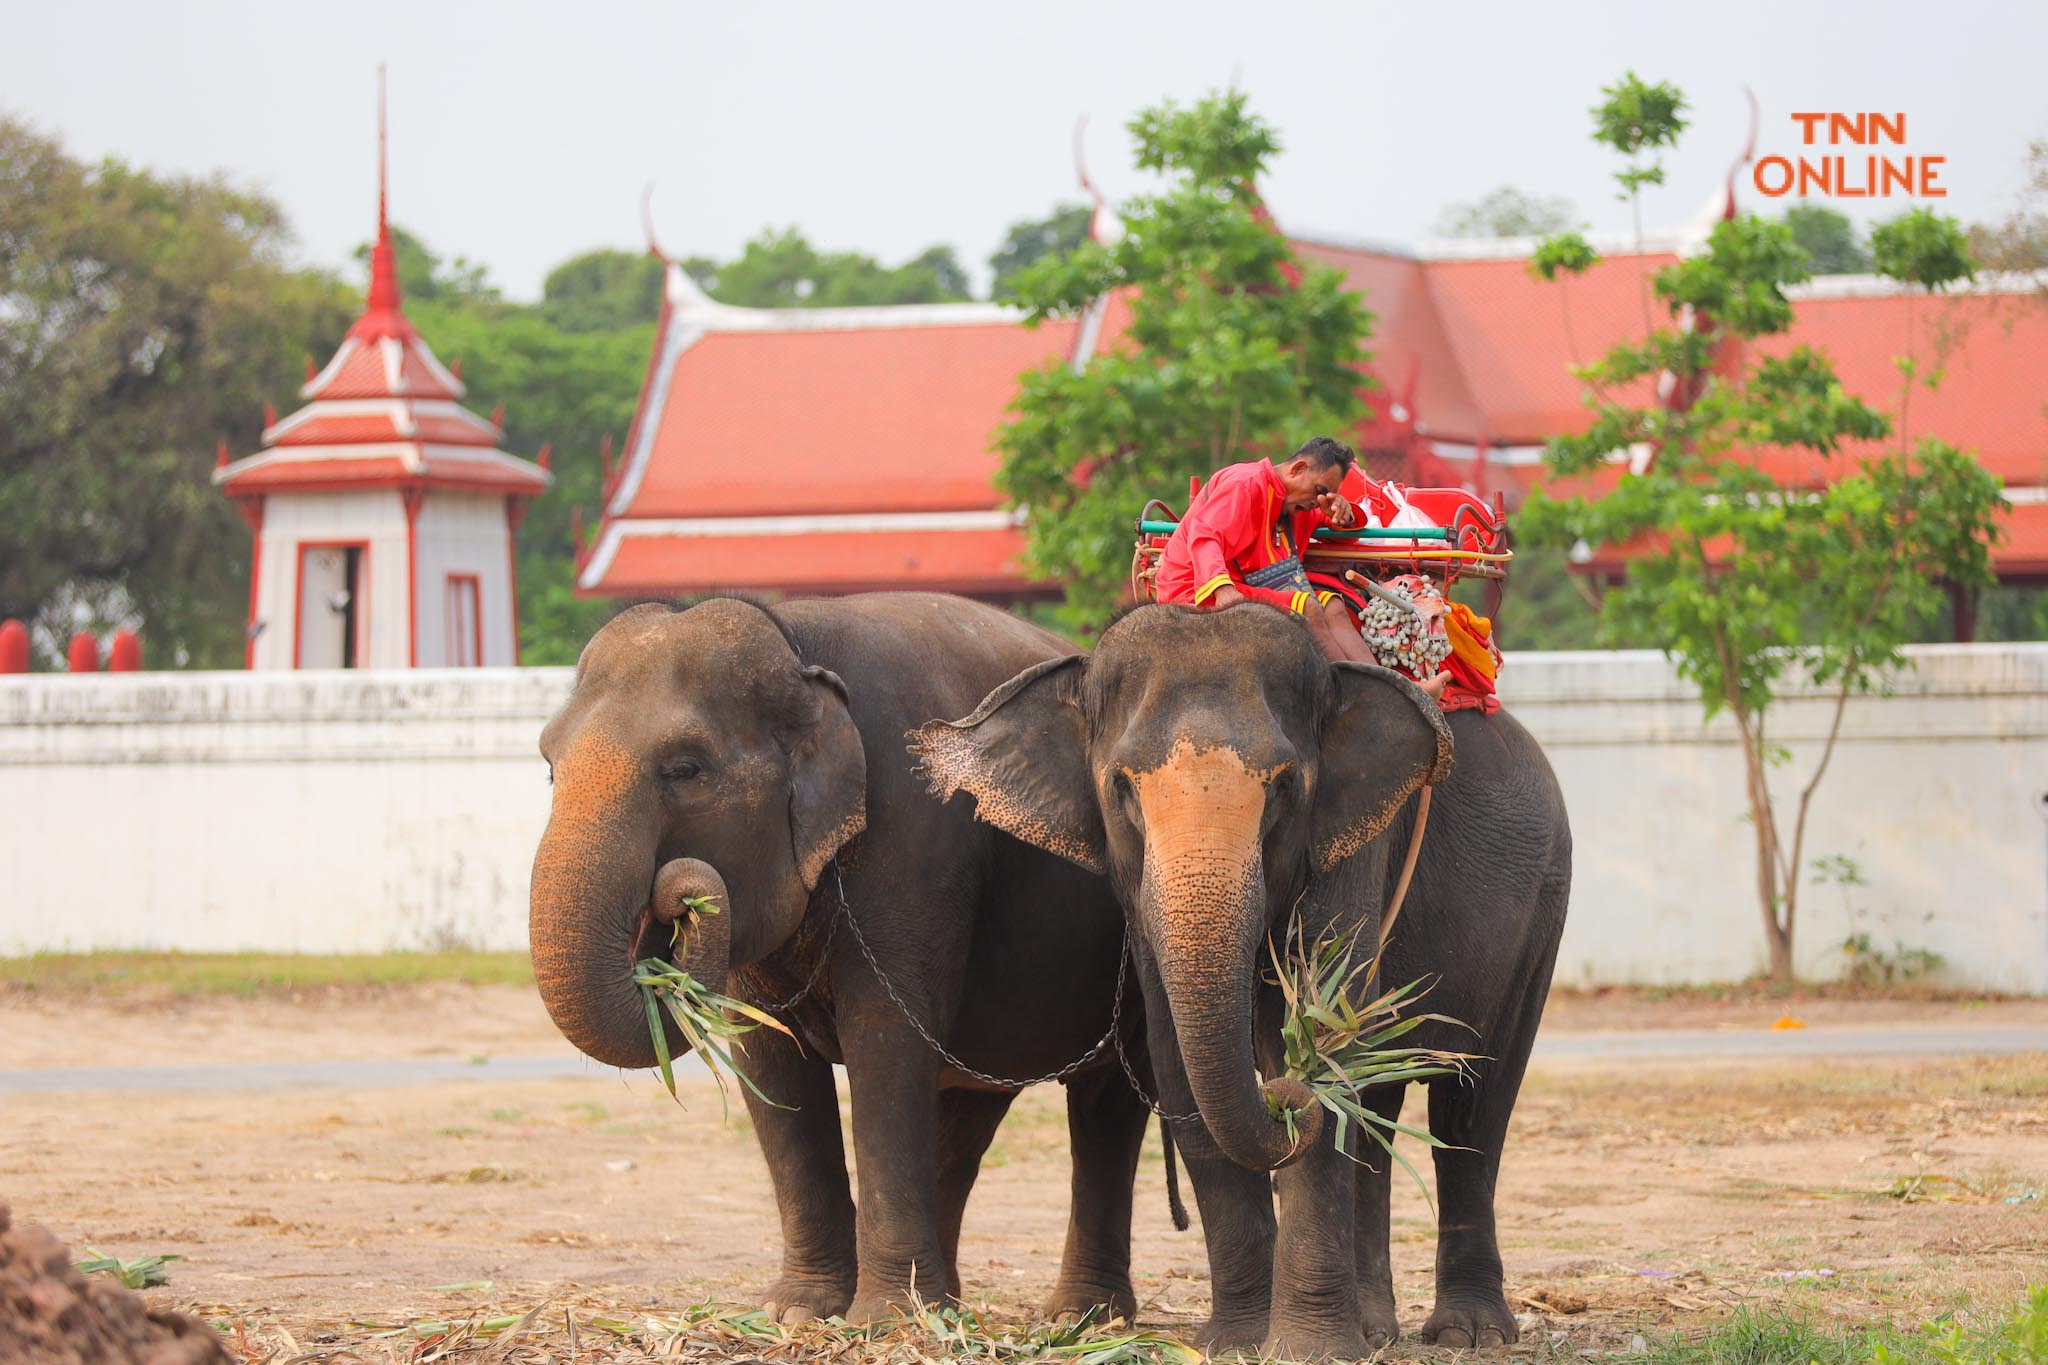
(1126,794)
(680,770)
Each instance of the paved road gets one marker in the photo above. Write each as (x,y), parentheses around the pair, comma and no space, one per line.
(1805,1042)
(1645,1043)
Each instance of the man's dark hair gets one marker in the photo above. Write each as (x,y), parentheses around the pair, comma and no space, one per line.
(1324,451)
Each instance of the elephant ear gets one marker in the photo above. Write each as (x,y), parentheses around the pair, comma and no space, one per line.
(1023,755)
(1384,739)
(828,780)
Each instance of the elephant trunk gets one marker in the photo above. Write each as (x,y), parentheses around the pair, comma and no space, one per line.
(589,914)
(1206,911)
(690,893)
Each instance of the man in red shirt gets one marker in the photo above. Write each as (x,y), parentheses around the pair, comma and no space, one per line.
(1242,538)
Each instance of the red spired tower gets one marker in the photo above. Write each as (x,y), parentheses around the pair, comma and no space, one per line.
(383,510)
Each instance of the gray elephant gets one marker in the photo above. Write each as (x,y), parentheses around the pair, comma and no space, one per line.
(1234,785)
(755,755)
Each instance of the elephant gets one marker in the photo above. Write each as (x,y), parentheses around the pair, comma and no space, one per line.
(1236,788)
(755,755)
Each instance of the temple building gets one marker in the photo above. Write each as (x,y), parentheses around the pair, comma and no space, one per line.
(383,510)
(894,409)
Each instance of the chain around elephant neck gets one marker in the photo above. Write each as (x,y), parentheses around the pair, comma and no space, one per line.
(824,956)
(1123,1058)
(917,1026)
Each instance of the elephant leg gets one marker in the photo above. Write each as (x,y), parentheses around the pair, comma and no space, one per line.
(968,1120)
(1235,1204)
(1376,1308)
(1105,1129)
(894,1080)
(1471,1304)
(1471,1307)
(1315,1268)
(807,1164)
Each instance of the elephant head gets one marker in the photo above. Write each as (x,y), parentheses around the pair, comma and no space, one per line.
(697,756)
(1211,763)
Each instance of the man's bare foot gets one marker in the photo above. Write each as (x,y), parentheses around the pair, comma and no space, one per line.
(1435,687)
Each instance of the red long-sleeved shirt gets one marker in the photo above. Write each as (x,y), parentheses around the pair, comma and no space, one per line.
(1235,527)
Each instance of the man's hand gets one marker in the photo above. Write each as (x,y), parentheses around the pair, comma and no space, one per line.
(1225,596)
(1338,511)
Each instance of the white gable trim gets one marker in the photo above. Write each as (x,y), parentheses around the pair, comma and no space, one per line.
(675,340)
(325,377)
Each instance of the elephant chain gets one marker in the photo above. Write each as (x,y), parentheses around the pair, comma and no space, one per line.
(910,1016)
(824,957)
(1123,1059)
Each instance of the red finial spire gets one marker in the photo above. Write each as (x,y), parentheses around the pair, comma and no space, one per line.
(381,309)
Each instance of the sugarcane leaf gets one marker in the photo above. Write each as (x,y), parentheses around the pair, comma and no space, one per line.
(660,1037)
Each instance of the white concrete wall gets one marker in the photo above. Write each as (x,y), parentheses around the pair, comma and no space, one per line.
(354,812)
(1939,792)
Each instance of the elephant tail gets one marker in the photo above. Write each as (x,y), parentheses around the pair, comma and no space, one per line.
(1175,1209)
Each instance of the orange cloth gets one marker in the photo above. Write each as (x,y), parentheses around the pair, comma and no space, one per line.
(1474,662)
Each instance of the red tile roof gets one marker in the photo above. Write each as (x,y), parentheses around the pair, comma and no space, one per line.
(896,408)
(974,561)
(877,419)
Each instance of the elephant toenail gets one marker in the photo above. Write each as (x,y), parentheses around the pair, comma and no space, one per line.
(1492,1336)
(1457,1338)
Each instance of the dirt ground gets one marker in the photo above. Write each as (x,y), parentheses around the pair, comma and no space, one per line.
(1659,1193)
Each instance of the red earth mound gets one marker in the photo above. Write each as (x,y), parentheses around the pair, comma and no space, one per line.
(52,1315)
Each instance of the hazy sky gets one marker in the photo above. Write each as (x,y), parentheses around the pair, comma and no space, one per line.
(523,133)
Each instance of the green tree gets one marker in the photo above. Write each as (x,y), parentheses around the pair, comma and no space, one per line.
(143,319)
(783,270)
(1507,212)
(1745,584)
(2021,241)
(1237,349)
(1828,238)
(603,291)
(1027,242)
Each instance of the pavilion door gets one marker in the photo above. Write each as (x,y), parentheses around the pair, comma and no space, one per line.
(333,609)
(465,624)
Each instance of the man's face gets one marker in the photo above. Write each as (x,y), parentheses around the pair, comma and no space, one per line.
(1306,482)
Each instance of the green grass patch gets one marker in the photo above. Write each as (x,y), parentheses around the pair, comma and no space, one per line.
(245,974)
(2017,1335)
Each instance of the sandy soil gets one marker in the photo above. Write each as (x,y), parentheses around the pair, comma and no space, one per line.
(1658,1195)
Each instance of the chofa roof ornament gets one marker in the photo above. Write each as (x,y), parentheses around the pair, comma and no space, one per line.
(1105,228)
(682,291)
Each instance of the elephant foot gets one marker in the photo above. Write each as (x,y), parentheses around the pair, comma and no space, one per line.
(1376,1317)
(1073,1298)
(796,1299)
(1315,1341)
(1225,1335)
(1462,1322)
